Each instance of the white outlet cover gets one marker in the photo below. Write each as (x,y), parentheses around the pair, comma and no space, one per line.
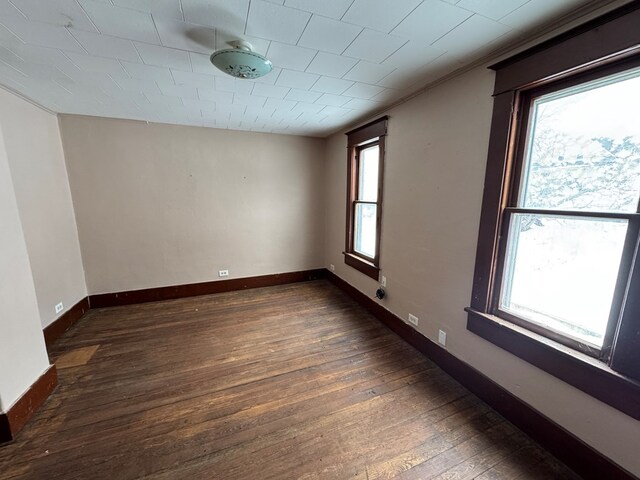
(442,338)
(59,307)
(223,273)
(413,320)
(383,281)
(332,267)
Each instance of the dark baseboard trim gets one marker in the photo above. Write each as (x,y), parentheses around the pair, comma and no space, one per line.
(55,330)
(12,421)
(568,448)
(204,288)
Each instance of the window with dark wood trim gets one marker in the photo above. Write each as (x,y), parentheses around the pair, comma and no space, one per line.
(365,146)
(598,351)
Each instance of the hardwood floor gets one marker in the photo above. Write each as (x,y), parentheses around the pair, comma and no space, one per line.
(287,382)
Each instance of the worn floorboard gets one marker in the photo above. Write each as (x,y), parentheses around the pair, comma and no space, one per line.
(287,382)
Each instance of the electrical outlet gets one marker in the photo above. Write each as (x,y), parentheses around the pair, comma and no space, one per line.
(383,281)
(332,267)
(442,338)
(223,273)
(59,307)
(413,320)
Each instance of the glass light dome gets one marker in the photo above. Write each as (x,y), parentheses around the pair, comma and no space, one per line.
(241,61)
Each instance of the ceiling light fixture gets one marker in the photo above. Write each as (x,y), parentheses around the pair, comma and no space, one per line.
(240,61)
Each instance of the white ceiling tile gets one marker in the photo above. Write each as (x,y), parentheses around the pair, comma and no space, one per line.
(403,77)
(328,35)
(230,84)
(367,72)
(191,79)
(293,79)
(302,95)
(181,91)
(106,46)
(228,109)
(481,29)
(120,22)
(163,56)
(8,10)
(307,107)
(331,64)
(249,100)
(201,63)
(335,111)
(63,13)
(331,85)
(290,56)
(280,104)
(43,34)
(161,101)
(431,20)
(44,55)
(213,96)
(7,37)
(378,15)
(311,117)
(96,64)
(413,53)
(186,36)
(275,22)
(326,8)
(137,85)
(536,12)
(148,72)
(374,46)
(229,15)
(95,79)
(274,91)
(332,100)
(363,90)
(158,8)
(361,104)
(494,9)
(205,105)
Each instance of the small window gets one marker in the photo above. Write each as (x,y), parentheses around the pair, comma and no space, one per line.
(364,197)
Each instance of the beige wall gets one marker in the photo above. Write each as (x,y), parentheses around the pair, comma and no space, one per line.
(36,160)
(23,357)
(162,205)
(434,175)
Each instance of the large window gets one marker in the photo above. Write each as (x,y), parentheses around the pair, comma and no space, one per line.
(364,196)
(557,278)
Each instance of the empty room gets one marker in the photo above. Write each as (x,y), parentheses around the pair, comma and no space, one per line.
(303,239)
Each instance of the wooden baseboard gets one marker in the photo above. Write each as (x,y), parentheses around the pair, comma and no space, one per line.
(204,288)
(65,322)
(576,454)
(12,421)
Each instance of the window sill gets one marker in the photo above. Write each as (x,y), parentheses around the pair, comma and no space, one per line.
(579,370)
(363,266)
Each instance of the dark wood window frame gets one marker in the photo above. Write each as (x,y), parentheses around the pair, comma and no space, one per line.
(366,136)
(598,48)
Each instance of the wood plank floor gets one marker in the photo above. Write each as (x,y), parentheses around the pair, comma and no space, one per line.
(288,382)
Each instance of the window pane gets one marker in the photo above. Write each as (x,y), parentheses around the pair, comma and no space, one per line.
(583,147)
(561,272)
(365,230)
(368,181)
